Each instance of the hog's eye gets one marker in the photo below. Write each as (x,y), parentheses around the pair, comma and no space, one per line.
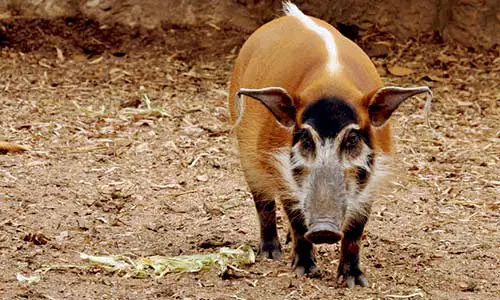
(307,144)
(351,140)
(307,147)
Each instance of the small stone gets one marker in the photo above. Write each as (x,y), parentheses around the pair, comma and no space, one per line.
(202,178)
(93,3)
(62,236)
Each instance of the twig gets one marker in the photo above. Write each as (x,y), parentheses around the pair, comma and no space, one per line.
(420,294)
(182,193)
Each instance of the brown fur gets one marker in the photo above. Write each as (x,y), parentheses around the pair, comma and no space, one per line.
(269,59)
(324,188)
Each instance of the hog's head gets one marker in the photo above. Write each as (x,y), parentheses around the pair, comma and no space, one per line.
(333,159)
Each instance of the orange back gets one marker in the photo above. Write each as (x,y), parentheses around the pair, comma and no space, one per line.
(285,53)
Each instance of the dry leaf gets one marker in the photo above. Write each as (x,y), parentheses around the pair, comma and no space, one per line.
(381,49)
(446,58)
(135,102)
(381,71)
(193,131)
(7,147)
(400,71)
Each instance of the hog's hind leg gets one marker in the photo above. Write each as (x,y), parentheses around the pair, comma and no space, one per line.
(270,246)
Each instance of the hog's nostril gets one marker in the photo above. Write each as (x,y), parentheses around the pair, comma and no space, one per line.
(323,233)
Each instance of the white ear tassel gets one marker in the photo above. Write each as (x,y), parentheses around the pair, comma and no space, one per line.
(427,107)
(239,104)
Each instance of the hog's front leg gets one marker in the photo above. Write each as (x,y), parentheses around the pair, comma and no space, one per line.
(349,269)
(303,261)
(269,242)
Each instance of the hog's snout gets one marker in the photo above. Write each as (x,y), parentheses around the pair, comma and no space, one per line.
(323,233)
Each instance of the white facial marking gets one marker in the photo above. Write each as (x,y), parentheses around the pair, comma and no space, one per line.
(380,170)
(291,9)
(327,154)
(285,166)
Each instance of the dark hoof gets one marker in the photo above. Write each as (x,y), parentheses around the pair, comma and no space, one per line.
(352,281)
(270,249)
(350,275)
(323,233)
(305,265)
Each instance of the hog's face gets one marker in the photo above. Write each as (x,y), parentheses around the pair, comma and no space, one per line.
(331,162)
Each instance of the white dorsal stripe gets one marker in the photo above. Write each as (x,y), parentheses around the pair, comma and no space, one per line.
(291,9)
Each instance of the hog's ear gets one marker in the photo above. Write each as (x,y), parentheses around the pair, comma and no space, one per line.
(277,100)
(387,99)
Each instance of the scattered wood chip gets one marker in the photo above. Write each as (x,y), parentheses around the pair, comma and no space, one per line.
(136,102)
(44,64)
(142,147)
(63,235)
(28,279)
(36,238)
(60,55)
(166,186)
(86,149)
(418,293)
(96,61)
(213,26)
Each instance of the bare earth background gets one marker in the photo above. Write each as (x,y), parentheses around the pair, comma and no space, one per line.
(471,23)
(101,181)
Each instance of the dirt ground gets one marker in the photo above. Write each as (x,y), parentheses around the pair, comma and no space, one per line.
(103,178)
